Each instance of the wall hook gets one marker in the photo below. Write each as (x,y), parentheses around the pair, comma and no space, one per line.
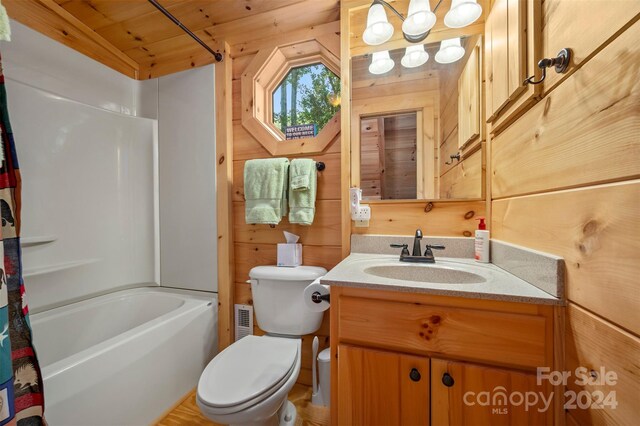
(560,62)
(453,157)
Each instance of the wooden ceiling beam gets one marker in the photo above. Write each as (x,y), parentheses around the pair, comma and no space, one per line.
(41,18)
(97,38)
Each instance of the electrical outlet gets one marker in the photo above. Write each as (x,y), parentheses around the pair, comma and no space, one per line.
(362,213)
(362,223)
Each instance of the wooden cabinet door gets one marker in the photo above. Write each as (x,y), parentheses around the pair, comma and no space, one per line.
(470,394)
(469,99)
(382,388)
(506,43)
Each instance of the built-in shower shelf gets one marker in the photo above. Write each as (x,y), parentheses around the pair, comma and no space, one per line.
(31,272)
(37,241)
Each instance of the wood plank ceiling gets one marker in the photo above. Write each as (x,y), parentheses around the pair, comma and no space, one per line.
(134,38)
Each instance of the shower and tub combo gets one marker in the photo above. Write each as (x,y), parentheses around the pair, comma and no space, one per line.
(115,347)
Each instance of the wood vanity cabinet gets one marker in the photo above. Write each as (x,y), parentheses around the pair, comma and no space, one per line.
(412,359)
(381,387)
(512,42)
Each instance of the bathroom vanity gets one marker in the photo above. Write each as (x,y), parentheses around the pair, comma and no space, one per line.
(408,351)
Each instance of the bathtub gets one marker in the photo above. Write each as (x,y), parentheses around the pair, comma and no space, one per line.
(123,358)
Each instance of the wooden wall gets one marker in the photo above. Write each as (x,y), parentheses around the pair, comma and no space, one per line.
(372,145)
(255,245)
(565,180)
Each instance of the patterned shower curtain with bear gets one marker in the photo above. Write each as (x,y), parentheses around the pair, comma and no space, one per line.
(21,400)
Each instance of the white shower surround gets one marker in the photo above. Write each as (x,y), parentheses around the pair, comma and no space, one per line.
(89,200)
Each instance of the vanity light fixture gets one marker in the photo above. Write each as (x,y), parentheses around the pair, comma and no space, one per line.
(462,13)
(414,56)
(419,21)
(450,51)
(378,30)
(381,63)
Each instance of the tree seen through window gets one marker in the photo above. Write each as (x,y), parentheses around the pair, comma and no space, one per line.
(307,95)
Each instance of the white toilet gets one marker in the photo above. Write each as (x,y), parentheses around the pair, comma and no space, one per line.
(248,382)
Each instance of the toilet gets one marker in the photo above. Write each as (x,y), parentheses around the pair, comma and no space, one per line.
(248,382)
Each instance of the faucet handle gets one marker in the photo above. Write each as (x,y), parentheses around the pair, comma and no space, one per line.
(428,252)
(404,247)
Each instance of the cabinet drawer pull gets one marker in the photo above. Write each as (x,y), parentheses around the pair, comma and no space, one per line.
(415,375)
(447,380)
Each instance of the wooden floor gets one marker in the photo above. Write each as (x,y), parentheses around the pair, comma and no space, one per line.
(188,413)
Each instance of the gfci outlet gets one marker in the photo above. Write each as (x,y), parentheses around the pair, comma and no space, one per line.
(363,213)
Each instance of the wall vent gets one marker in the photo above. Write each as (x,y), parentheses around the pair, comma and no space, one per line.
(243,321)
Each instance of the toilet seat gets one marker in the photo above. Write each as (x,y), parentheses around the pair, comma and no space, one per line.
(247,372)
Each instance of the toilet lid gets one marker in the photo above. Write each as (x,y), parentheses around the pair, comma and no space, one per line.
(247,369)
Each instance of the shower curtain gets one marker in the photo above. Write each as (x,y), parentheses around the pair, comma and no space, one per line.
(21,398)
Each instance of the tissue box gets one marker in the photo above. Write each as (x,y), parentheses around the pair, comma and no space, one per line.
(289,254)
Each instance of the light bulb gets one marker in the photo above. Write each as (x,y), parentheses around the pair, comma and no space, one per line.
(378,30)
(420,18)
(381,63)
(462,13)
(450,51)
(414,56)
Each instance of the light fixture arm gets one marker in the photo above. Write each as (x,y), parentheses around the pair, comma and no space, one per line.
(391,8)
(402,18)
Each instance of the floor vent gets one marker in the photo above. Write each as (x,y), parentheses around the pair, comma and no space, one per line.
(244,321)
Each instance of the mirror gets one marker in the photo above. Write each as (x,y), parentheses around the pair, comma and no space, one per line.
(416,130)
(388,164)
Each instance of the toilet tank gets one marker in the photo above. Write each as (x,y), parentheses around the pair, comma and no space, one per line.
(278,302)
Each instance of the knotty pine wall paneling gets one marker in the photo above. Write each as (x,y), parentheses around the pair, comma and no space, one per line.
(255,245)
(565,180)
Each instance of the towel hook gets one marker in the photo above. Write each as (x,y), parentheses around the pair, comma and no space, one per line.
(560,62)
(320,166)
(453,157)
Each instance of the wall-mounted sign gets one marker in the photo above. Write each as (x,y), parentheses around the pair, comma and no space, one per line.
(301,131)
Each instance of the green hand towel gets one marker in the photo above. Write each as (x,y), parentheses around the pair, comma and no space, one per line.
(302,191)
(265,190)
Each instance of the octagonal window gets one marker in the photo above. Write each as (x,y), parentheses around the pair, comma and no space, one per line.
(305,100)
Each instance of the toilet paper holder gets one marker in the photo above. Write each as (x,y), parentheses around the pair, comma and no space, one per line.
(317,297)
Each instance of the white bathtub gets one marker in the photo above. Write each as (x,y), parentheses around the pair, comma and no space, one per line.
(125,357)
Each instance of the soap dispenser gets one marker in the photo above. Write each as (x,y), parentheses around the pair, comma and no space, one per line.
(482,242)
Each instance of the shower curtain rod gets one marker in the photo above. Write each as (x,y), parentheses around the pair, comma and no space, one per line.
(175,20)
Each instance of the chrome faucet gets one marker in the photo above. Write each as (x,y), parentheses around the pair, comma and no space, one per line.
(416,256)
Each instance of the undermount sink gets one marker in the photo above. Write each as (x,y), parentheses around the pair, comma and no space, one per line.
(426,274)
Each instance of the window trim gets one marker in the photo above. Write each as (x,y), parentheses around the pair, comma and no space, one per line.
(264,74)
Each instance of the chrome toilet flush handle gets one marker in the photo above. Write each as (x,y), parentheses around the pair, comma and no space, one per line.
(560,62)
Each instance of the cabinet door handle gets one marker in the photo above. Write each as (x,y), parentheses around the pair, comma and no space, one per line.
(447,380)
(415,375)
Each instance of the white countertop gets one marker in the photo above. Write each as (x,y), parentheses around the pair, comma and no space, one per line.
(497,284)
